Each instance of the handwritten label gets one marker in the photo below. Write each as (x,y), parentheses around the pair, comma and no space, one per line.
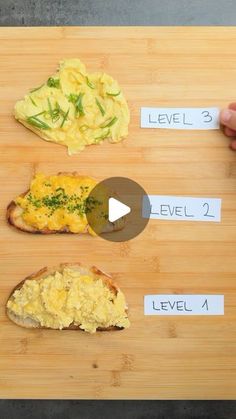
(181,208)
(180,118)
(183,305)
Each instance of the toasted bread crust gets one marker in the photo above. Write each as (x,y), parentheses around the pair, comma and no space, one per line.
(43,273)
(34,129)
(44,137)
(14,218)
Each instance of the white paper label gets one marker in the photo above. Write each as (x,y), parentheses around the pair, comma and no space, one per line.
(183,305)
(181,208)
(180,118)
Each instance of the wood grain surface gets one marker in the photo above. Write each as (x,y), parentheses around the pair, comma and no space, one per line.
(158,357)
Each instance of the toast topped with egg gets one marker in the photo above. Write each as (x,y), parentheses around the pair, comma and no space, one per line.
(75,109)
(60,204)
(68,296)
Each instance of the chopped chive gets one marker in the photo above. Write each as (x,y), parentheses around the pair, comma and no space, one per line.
(32,100)
(113,94)
(37,114)
(109,124)
(64,118)
(83,128)
(77,101)
(79,106)
(50,108)
(57,112)
(36,122)
(103,136)
(53,82)
(36,88)
(72,97)
(102,110)
(60,190)
(91,85)
(79,204)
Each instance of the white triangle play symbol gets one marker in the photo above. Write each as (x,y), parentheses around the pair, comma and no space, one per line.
(116,209)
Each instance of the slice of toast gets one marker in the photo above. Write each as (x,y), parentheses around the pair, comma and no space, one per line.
(45,272)
(14,218)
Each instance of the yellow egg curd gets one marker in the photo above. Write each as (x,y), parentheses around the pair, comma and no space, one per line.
(76,109)
(62,202)
(66,298)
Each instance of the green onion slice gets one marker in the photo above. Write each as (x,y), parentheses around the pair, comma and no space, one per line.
(38,123)
(32,100)
(89,83)
(77,101)
(50,108)
(53,83)
(79,106)
(83,128)
(103,136)
(110,123)
(36,88)
(64,118)
(102,110)
(113,94)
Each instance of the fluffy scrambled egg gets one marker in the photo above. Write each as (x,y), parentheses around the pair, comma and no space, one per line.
(62,201)
(76,109)
(64,298)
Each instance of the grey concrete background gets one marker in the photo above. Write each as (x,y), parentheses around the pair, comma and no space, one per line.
(34,409)
(117,12)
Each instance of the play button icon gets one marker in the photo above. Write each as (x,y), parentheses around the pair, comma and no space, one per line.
(115,209)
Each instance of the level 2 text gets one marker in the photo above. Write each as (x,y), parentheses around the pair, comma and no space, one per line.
(181,208)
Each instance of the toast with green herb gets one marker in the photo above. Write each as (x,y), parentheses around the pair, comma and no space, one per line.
(60,204)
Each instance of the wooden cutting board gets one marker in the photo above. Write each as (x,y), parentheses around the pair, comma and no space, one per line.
(158,357)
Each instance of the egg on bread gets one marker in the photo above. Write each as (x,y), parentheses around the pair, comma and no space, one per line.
(60,204)
(75,109)
(68,296)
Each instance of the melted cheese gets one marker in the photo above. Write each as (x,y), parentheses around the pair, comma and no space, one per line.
(76,109)
(61,299)
(56,202)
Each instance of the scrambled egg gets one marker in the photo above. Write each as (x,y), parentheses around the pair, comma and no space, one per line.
(64,298)
(76,109)
(62,201)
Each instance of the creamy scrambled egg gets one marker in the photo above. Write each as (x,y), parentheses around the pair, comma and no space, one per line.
(64,298)
(62,201)
(76,109)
